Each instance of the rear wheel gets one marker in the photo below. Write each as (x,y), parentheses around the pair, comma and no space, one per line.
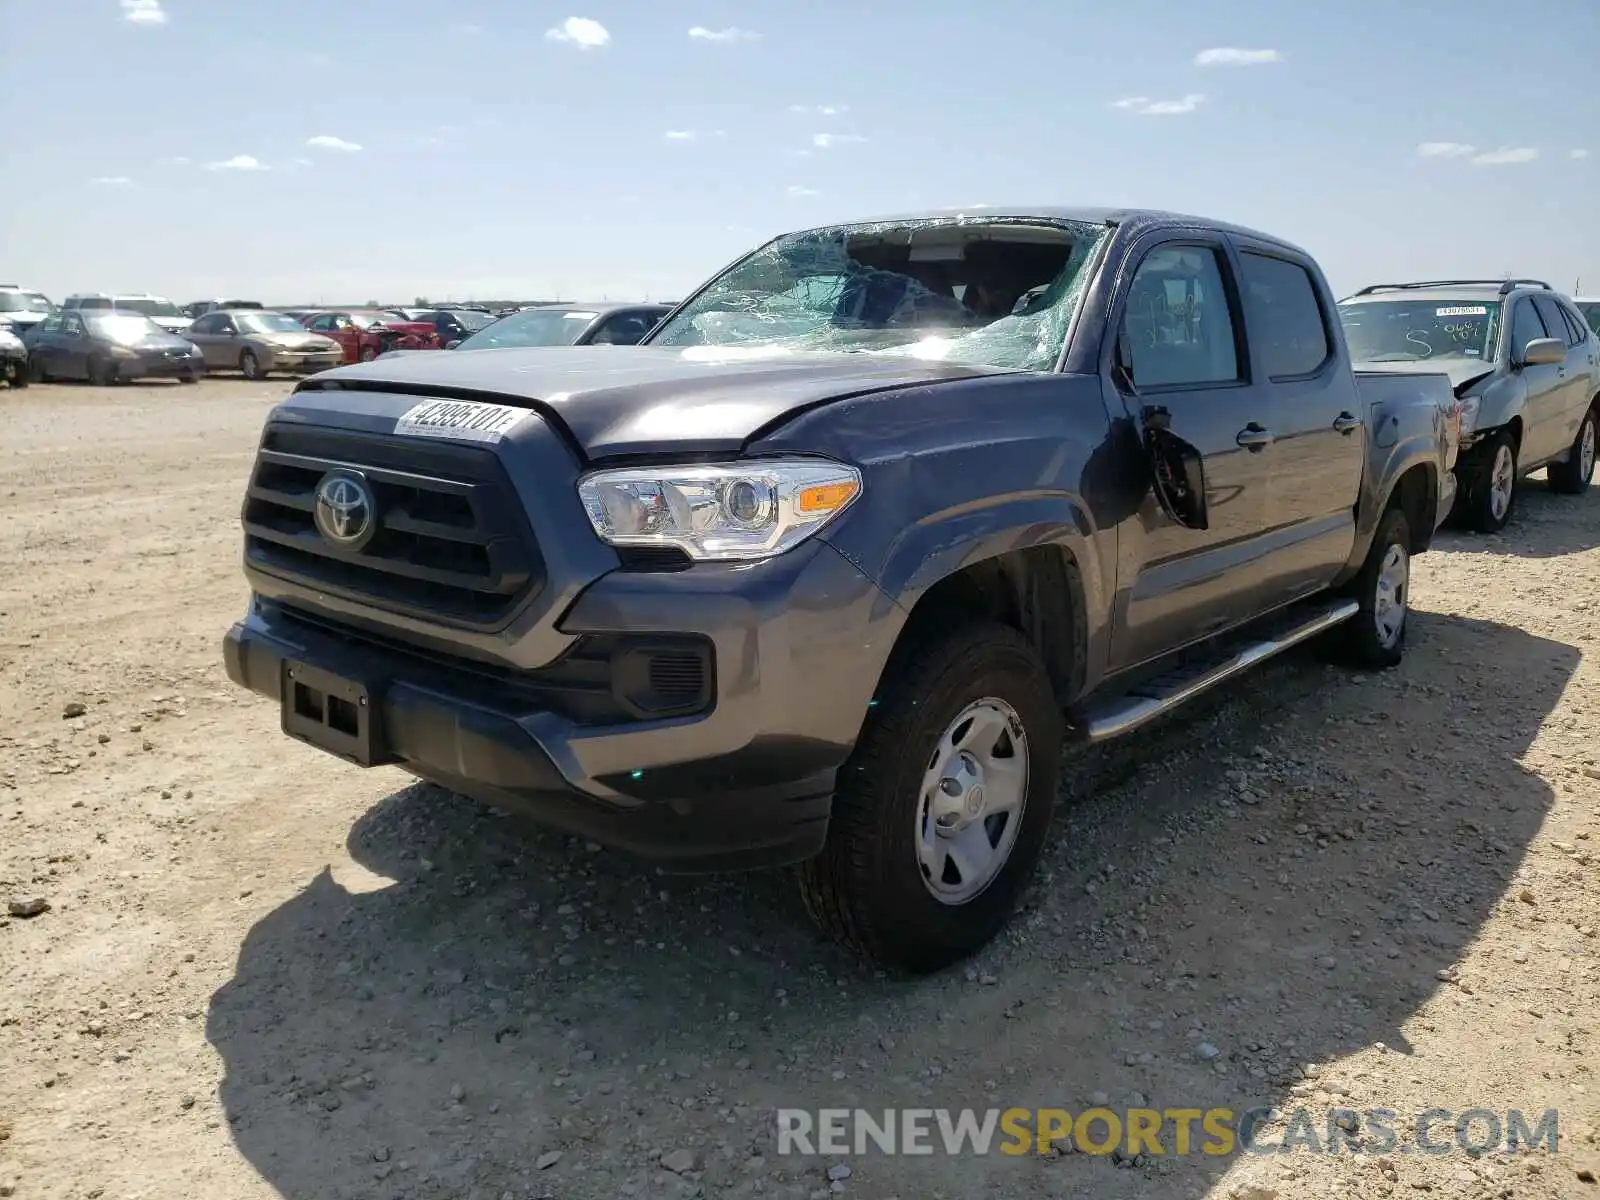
(368,353)
(1375,637)
(942,809)
(1494,484)
(1571,478)
(250,365)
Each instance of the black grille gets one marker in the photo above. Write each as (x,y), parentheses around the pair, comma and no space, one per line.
(602,679)
(451,542)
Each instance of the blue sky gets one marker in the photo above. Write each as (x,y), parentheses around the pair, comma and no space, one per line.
(518,147)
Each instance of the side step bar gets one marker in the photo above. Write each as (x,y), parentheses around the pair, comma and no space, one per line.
(1149,700)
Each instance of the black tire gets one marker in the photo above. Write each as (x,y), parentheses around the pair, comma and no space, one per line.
(36,371)
(1481,512)
(17,373)
(250,366)
(100,372)
(1365,640)
(368,353)
(189,377)
(867,889)
(1571,478)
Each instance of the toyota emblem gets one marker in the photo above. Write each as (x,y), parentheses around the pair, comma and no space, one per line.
(346,512)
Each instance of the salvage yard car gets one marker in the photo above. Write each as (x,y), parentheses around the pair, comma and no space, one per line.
(158,308)
(108,347)
(823,570)
(13,359)
(255,342)
(366,333)
(608,324)
(1524,363)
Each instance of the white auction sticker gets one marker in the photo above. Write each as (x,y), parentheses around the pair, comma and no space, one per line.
(463,419)
(1462,310)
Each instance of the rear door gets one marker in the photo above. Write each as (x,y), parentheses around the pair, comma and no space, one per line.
(1318,449)
(1180,363)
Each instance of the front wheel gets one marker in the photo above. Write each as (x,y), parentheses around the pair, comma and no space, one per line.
(36,371)
(250,365)
(1571,478)
(942,809)
(368,353)
(1493,486)
(17,373)
(102,373)
(1375,638)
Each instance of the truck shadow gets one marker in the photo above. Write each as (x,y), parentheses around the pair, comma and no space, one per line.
(1277,872)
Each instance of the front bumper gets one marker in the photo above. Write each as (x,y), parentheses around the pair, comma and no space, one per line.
(799,644)
(307,362)
(158,366)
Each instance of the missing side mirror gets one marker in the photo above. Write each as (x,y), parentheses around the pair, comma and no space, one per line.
(1178,474)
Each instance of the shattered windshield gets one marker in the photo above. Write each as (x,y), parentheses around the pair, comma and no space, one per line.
(1413,330)
(994,293)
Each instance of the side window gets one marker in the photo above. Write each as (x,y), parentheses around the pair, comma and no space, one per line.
(225,324)
(1553,320)
(1286,315)
(1591,314)
(207,324)
(72,325)
(51,324)
(1177,327)
(322,324)
(1525,326)
(624,329)
(1577,331)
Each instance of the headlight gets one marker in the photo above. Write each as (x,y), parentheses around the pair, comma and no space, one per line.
(719,511)
(1469,413)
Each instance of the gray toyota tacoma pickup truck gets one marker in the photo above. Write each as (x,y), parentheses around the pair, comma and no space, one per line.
(832,568)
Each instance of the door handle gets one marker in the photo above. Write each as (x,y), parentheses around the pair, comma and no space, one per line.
(1254,438)
(1346,423)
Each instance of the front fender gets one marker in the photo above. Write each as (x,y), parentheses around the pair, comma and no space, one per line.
(960,472)
(1403,438)
(1499,403)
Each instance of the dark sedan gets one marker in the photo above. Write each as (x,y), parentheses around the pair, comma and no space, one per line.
(569,325)
(453,324)
(109,347)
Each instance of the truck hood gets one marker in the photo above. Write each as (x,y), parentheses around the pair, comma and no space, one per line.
(619,400)
(1461,371)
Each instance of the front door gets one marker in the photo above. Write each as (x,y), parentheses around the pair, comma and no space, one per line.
(1543,426)
(1319,445)
(1572,387)
(1181,367)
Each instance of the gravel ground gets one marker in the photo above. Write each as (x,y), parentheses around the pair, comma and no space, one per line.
(264,973)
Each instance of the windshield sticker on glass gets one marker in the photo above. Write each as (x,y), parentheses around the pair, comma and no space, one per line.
(462,419)
(1462,310)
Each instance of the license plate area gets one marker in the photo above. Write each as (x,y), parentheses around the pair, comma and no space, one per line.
(334,713)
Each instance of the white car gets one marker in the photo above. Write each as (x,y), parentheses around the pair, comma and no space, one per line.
(158,308)
(13,359)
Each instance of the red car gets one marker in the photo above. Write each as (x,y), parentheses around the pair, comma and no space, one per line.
(366,333)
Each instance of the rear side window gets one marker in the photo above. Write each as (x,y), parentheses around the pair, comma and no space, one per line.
(1591,314)
(1575,327)
(1286,315)
(1525,327)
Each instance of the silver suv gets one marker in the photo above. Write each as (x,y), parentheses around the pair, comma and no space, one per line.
(1525,367)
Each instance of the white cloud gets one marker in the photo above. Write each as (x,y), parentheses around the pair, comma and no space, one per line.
(826,141)
(1505,155)
(820,110)
(1577,154)
(1445,150)
(111,181)
(1147,107)
(580,32)
(175,160)
(1233,56)
(731,34)
(239,162)
(326,141)
(796,189)
(144,12)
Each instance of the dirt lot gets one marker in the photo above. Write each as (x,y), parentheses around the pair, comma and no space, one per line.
(264,973)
